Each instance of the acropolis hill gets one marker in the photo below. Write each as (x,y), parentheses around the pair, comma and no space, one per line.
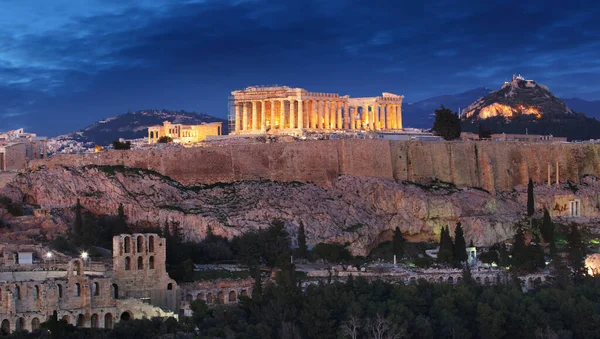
(493,166)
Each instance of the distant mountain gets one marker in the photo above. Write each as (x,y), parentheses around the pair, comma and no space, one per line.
(590,108)
(420,114)
(524,106)
(134,125)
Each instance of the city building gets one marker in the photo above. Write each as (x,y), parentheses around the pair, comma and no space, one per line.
(184,134)
(514,137)
(281,109)
(36,282)
(18,147)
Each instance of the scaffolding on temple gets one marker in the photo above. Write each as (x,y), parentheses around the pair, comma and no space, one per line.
(231,114)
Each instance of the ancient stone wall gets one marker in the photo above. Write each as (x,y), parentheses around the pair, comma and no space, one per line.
(494,166)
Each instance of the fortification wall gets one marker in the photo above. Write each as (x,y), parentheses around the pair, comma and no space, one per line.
(490,165)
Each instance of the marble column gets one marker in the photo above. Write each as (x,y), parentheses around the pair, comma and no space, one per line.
(263,116)
(346,116)
(319,114)
(300,114)
(244,116)
(393,110)
(340,121)
(238,121)
(272,114)
(352,112)
(399,116)
(326,114)
(312,114)
(376,117)
(292,113)
(254,115)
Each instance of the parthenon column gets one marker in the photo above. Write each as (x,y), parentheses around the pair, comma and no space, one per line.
(388,117)
(319,114)
(238,121)
(340,122)
(376,116)
(346,116)
(281,114)
(399,116)
(263,115)
(326,114)
(352,112)
(244,116)
(254,115)
(300,115)
(272,114)
(292,113)
(394,109)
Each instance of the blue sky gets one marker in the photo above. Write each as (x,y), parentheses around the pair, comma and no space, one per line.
(65,64)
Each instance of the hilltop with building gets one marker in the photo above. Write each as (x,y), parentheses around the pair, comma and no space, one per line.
(523,106)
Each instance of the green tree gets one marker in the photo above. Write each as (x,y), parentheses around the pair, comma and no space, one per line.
(447,124)
(165,140)
(490,323)
(460,246)
(530,202)
(120,225)
(398,243)
(547,230)
(118,145)
(78,225)
(519,249)
(199,310)
(446,251)
(484,133)
(302,247)
(577,253)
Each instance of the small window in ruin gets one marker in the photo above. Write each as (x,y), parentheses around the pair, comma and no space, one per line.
(114,289)
(60,293)
(77,291)
(36,292)
(575,208)
(96,289)
(18,292)
(151,263)
(140,244)
(127,263)
(151,243)
(140,263)
(127,245)
(170,286)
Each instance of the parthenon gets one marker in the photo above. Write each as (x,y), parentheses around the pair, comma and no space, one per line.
(281,108)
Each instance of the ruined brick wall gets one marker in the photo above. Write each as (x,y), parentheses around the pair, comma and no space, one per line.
(15,156)
(494,166)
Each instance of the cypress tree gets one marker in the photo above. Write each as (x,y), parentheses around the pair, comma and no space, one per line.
(577,253)
(78,225)
(519,250)
(530,202)
(120,226)
(547,231)
(302,247)
(460,246)
(166,233)
(446,247)
(398,243)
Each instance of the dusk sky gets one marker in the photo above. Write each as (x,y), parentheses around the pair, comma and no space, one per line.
(67,63)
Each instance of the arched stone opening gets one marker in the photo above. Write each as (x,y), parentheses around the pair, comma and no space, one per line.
(35,324)
(209,298)
(20,324)
(440,279)
(114,290)
(108,321)
(200,296)
(77,267)
(151,262)
(127,263)
(140,263)
(244,293)
(170,286)
(36,292)
(80,320)
(67,319)
(140,244)
(5,327)
(221,297)
(94,321)
(232,297)
(59,290)
(125,316)
(77,290)
(451,280)
(478,280)
(151,243)
(127,245)
(96,289)
(18,292)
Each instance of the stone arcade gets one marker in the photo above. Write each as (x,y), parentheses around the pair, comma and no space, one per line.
(137,286)
(283,109)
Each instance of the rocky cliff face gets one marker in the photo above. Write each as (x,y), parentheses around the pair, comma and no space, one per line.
(360,210)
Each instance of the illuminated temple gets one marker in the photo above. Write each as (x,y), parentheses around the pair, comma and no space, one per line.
(281,109)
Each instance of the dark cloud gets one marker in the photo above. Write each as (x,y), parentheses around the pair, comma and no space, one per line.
(64,64)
